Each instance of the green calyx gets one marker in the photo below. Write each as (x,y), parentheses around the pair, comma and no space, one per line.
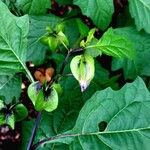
(43,99)
(82,68)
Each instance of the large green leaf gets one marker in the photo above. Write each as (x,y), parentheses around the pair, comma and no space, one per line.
(114,45)
(13,41)
(141,64)
(140,11)
(70,103)
(99,11)
(113,119)
(10,87)
(36,51)
(34,7)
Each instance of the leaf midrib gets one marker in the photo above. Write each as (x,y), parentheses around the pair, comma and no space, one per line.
(19,60)
(145,5)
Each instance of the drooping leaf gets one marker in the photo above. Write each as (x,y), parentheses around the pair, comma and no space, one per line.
(140,11)
(13,41)
(34,7)
(113,119)
(10,87)
(115,45)
(99,11)
(141,64)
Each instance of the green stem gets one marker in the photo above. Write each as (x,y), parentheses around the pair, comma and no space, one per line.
(29,75)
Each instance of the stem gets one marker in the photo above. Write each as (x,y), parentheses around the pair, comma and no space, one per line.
(91,46)
(29,75)
(70,52)
(64,45)
(37,121)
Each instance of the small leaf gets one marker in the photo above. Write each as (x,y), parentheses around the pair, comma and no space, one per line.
(52,43)
(90,35)
(82,68)
(62,38)
(59,27)
(44,40)
(20,112)
(10,120)
(115,45)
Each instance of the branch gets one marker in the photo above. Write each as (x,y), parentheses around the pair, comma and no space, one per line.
(52,139)
(37,121)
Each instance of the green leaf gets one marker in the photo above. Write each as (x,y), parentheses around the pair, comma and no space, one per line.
(13,41)
(83,29)
(34,7)
(39,101)
(2,119)
(75,30)
(140,9)
(10,87)
(10,120)
(93,51)
(1,104)
(114,45)
(141,64)
(62,38)
(70,103)
(20,112)
(90,35)
(52,101)
(52,43)
(99,11)
(111,116)
(36,50)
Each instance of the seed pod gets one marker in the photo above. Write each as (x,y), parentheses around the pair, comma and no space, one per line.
(82,68)
(43,100)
